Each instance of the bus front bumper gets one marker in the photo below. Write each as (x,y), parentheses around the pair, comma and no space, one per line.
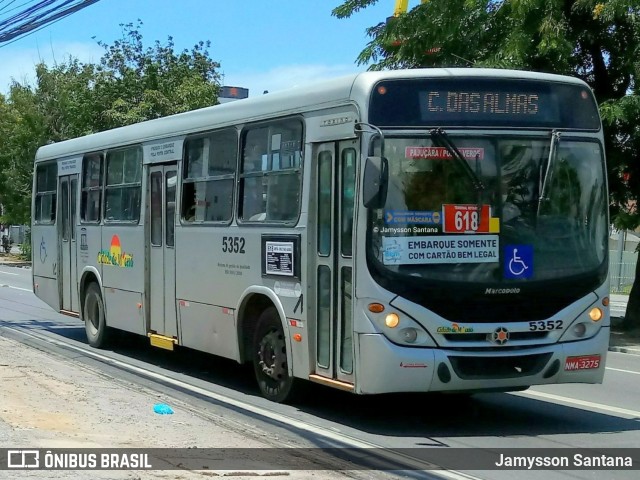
(384,367)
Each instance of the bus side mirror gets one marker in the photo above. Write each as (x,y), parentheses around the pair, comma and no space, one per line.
(376,178)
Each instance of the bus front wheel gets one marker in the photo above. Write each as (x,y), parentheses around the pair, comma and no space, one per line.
(94,321)
(270,359)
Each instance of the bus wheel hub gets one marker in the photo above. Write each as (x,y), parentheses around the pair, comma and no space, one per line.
(271,353)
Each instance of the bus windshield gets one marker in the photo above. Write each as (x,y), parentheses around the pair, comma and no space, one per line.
(436,226)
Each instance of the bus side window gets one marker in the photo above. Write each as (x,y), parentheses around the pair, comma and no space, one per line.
(124,185)
(46,188)
(193,162)
(283,197)
(254,163)
(209,171)
(270,179)
(91,188)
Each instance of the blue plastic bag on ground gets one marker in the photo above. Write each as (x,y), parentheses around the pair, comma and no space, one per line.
(162,409)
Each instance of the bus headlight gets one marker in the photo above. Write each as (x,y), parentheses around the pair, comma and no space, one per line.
(585,326)
(596,314)
(392,320)
(400,328)
(580,329)
(409,335)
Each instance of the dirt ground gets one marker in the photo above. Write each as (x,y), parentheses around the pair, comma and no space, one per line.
(49,402)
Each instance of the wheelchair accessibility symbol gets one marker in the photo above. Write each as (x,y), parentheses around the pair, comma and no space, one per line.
(518,261)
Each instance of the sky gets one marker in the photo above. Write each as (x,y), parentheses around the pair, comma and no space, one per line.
(260,44)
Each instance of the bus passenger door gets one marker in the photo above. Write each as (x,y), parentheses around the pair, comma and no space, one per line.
(335,187)
(68,276)
(162,257)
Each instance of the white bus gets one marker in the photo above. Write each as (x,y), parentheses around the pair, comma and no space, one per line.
(404,231)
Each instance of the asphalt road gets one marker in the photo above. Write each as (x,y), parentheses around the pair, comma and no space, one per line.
(555,417)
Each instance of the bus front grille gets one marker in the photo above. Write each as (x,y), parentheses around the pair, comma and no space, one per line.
(480,368)
(480,337)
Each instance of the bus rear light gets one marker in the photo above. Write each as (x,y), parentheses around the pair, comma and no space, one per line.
(297,337)
(376,308)
(595,314)
(392,320)
(605,301)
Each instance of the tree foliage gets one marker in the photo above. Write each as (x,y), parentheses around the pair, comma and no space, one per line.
(135,84)
(129,84)
(595,40)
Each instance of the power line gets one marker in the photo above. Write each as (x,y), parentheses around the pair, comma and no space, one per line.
(35,17)
(9,4)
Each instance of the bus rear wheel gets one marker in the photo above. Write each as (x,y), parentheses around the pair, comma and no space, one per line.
(94,320)
(270,359)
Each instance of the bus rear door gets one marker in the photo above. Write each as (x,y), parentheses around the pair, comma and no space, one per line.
(68,277)
(162,257)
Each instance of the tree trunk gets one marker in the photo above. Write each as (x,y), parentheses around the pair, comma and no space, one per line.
(632,316)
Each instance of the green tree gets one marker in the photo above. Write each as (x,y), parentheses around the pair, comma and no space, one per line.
(134,84)
(595,40)
(60,107)
(130,84)
(21,127)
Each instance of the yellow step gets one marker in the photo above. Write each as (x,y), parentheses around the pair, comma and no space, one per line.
(161,341)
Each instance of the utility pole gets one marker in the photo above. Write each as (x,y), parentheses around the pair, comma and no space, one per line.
(402,6)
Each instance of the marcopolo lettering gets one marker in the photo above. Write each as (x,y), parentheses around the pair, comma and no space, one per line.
(501,291)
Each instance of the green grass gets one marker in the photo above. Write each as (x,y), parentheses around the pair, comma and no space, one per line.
(623,290)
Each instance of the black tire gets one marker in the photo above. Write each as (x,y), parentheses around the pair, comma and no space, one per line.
(270,359)
(95,323)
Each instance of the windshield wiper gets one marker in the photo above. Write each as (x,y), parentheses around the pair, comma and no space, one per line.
(440,138)
(548,167)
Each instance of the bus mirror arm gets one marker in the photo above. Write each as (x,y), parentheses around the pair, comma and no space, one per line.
(375,181)
(376,171)
(361,127)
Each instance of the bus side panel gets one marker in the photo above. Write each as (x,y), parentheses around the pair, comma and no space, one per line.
(46,290)
(126,310)
(208,328)
(204,294)
(44,240)
(122,260)
(205,274)
(89,251)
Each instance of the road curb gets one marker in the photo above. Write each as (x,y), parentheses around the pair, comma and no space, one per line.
(630,350)
(15,264)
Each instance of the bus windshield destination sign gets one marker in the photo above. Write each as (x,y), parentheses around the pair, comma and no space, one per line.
(498,103)
(478,103)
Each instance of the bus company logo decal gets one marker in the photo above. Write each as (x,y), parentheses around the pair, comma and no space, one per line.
(115,256)
(454,328)
(500,336)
